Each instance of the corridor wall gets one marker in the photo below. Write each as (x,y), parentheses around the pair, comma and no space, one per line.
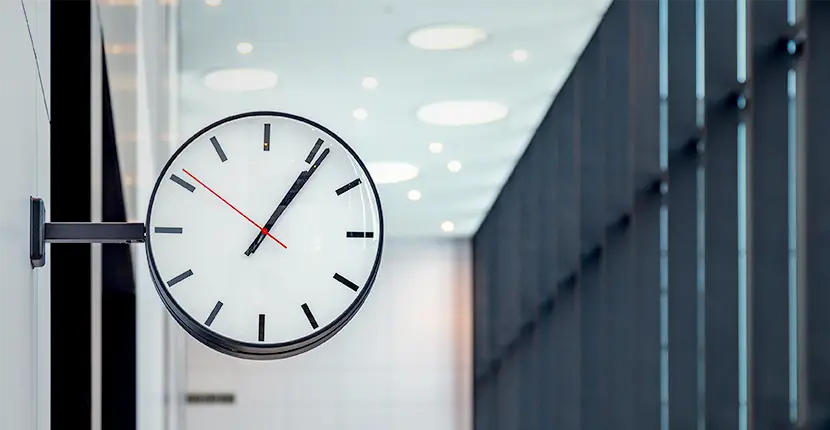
(24,172)
(658,257)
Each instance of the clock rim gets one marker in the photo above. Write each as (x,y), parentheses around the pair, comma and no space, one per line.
(251,350)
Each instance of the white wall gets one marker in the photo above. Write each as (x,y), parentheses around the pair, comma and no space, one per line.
(24,167)
(402,363)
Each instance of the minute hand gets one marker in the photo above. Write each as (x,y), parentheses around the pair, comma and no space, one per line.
(286,200)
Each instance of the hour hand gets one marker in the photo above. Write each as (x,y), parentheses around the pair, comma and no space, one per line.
(286,200)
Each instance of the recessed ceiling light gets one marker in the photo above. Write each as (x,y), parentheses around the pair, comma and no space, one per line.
(454,166)
(241,80)
(244,48)
(370,83)
(519,55)
(447,226)
(360,114)
(446,37)
(213,2)
(392,172)
(462,112)
(414,195)
(436,147)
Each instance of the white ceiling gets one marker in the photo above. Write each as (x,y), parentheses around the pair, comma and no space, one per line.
(322,49)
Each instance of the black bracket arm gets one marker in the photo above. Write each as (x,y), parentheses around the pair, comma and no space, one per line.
(42,232)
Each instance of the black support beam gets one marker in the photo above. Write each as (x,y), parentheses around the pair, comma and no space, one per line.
(644,133)
(815,239)
(70,201)
(768,254)
(589,123)
(682,217)
(566,336)
(721,213)
(619,188)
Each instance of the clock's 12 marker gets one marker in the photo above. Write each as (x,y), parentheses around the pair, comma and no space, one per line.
(266,139)
(262,327)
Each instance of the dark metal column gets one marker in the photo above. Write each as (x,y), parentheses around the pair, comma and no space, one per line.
(683,212)
(644,133)
(815,293)
(768,252)
(566,315)
(482,283)
(547,266)
(530,184)
(721,212)
(71,388)
(592,223)
(618,411)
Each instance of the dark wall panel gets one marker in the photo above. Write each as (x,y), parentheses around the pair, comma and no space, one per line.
(768,253)
(569,310)
(683,217)
(619,193)
(721,212)
(815,337)
(568,224)
(644,133)
(589,121)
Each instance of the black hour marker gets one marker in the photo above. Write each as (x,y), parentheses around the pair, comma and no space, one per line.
(262,327)
(314,150)
(266,139)
(345,282)
(182,182)
(348,186)
(213,313)
(309,316)
(169,230)
(179,278)
(365,234)
(218,149)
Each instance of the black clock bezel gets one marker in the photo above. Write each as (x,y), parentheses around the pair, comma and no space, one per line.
(250,350)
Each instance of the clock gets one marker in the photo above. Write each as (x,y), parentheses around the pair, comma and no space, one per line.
(264,235)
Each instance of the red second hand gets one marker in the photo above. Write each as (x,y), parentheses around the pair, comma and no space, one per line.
(263,230)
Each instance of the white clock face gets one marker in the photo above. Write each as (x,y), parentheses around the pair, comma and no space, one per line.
(232,183)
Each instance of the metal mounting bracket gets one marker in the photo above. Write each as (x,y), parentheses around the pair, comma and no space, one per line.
(42,232)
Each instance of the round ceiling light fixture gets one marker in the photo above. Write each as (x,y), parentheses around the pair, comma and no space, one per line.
(462,112)
(436,147)
(369,83)
(238,80)
(519,55)
(391,172)
(414,195)
(360,114)
(454,166)
(448,226)
(446,37)
(244,48)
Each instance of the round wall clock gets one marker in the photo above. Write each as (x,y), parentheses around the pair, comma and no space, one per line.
(264,235)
